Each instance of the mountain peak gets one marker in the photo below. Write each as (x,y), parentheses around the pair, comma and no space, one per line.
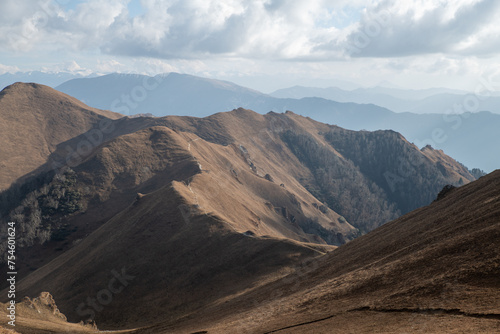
(24,87)
(35,119)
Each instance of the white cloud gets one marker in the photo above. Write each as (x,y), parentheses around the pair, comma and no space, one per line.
(109,66)
(8,69)
(265,29)
(368,41)
(423,27)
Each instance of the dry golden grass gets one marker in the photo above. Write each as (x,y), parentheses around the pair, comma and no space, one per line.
(434,270)
(211,241)
(35,119)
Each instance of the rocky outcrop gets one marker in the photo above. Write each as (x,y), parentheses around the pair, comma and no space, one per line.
(44,304)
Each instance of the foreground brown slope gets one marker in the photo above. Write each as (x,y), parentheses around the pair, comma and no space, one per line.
(34,120)
(174,258)
(434,270)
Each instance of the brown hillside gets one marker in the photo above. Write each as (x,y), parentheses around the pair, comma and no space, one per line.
(35,119)
(446,164)
(434,270)
(180,258)
(304,177)
(367,177)
(216,177)
(279,175)
(210,215)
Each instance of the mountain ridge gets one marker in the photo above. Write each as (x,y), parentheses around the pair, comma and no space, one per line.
(201,214)
(203,97)
(433,100)
(432,269)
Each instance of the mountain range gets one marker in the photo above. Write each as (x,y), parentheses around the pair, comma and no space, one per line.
(180,224)
(426,101)
(438,117)
(468,137)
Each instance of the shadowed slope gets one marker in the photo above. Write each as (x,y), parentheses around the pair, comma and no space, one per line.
(280,175)
(197,259)
(35,119)
(434,270)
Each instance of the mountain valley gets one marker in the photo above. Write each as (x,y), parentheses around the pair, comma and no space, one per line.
(238,222)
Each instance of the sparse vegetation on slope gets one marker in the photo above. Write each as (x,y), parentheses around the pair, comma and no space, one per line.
(38,217)
(340,184)
(409,178)
(433,270)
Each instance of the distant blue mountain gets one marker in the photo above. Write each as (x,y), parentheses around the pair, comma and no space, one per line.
(426,101)
(470,138)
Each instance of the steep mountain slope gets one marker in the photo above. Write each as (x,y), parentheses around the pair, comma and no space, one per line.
(189,213)
(198,258)
(434,270)
(288,178)
(469,138)
(389,160)
(74,203)
(35,119)
(315,155)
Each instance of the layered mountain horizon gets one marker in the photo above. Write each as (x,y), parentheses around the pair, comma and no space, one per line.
(437,117)
(249,167)
(182,224)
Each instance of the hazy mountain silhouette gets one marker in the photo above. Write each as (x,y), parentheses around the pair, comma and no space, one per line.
(425,101)
(469,138)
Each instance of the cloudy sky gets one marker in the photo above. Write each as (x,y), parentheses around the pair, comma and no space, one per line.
(263,44)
